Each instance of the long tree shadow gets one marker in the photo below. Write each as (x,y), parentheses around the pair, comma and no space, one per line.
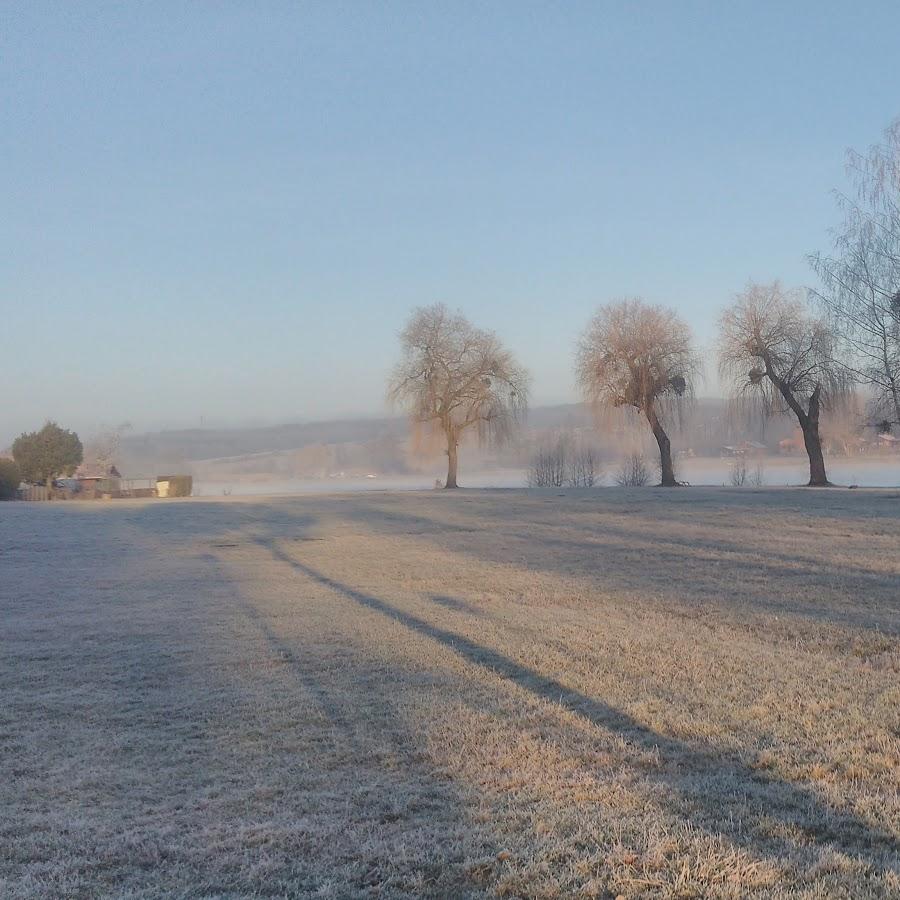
(716,792)
(687,566)
(381,776)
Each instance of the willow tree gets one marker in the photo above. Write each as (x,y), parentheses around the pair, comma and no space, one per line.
(639,356)
(770,346)
(455,378)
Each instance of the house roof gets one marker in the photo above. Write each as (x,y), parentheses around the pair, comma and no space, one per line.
(89,472)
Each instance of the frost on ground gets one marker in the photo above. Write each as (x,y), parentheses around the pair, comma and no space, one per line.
(639,693)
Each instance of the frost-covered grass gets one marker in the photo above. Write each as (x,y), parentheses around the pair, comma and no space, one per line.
(692,692)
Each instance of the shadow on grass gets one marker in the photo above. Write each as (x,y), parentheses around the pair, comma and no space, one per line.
(635,558)
(418,839)
(455,604)
(716,793)
(674,565)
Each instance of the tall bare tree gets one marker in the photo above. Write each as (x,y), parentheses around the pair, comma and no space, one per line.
(456,378)
(104,450)
(860,290)
(641,356)
(770,346)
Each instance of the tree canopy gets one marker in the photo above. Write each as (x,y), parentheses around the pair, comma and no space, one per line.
(10,479)
(44,455)
(455,377)
(770,346)
(860,290)
(637,355)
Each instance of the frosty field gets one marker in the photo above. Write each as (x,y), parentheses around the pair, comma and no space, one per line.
(681,693)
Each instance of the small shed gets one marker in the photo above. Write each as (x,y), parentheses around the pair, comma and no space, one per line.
(794,444)
(174,485)
(752,448)
(96,481)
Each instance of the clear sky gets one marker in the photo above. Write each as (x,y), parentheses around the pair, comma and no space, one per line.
(222,213)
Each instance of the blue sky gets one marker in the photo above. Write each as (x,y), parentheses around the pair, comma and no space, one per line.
(222,213)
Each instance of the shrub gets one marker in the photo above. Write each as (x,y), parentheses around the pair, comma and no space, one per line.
(738,472)
(584,468)
(564,462)
(548,466)
(633,472)
(10,479)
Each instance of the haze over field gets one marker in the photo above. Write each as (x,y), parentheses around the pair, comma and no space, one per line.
(376,454)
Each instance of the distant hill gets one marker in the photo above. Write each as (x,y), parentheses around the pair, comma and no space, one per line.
(359,444)
(148,452)
(382,445)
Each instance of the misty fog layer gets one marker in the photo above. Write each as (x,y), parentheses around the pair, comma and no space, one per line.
(380,454)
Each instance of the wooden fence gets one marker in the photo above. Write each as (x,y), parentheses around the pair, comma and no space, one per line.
(36,492)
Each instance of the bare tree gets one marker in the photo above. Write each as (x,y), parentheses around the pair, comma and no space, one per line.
(103,451)
(640,356)
(860,290)
(455,377)
(770,346)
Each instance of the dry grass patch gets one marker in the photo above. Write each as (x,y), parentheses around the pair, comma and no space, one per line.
(605,693)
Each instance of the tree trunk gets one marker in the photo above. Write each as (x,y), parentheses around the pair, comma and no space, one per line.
(817,474)
(667,470)
(895,395)
(452,459)
(809,425)
(893,387)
